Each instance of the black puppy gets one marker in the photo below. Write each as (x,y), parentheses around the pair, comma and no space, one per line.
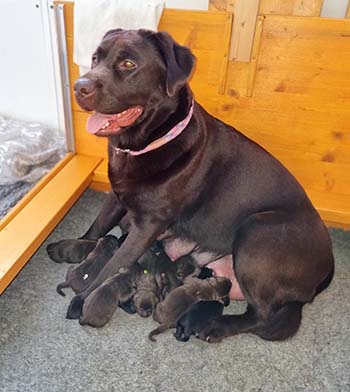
(197,318)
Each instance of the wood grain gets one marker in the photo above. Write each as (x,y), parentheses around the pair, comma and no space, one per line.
(34,222)
(291,7)
(245,15)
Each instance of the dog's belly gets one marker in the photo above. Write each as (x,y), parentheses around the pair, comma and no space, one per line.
(176,248)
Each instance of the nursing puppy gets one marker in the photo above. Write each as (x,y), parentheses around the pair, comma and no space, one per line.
(149,292)
(103,301)
(80,277)
(159,278)
(175,168)
(197,318)
(180,300)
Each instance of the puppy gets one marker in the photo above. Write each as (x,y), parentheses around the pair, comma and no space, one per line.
(159,277)
(180,300)
(185,266)
(81,276)
(148,293)
(197,318)
(101,304)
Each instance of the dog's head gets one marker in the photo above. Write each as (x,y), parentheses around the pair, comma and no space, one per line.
(132,72)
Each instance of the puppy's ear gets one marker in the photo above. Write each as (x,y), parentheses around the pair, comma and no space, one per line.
(179,61)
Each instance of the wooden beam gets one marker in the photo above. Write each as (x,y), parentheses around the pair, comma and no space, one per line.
(22,236)
(29,196)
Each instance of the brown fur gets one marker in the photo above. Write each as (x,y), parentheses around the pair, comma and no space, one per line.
(103,302)
(210,177)
(180,300)
(80,276)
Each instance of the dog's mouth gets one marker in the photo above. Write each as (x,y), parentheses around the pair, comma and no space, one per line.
(101,124)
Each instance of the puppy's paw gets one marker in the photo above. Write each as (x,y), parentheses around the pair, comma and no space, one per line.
(214,332)
(75,308)
(70,251)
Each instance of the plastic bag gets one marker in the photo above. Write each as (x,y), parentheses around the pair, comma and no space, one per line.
(28,150)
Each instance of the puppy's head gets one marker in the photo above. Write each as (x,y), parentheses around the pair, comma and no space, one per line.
(132,71)
(146,296)
(222,288)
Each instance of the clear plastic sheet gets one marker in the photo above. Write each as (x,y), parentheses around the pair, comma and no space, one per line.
(28,150)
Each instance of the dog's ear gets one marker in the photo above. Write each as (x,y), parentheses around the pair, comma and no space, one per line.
(110,33)
(179,61)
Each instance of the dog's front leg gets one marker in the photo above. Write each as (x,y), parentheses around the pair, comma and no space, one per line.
(74,251)
(140,238)
(111,213)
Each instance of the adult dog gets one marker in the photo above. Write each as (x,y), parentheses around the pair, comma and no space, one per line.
(204,188)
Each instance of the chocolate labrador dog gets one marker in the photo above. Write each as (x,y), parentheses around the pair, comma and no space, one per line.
(201,186)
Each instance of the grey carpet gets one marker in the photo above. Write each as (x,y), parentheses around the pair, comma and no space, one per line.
(42,351)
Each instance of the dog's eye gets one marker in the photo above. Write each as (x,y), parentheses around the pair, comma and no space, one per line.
(127,64)
(94,60)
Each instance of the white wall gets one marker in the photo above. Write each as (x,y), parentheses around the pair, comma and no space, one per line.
(27,72)
(334,8)
(188,4)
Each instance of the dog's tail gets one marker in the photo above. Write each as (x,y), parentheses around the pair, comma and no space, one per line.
(61,286)
(162,328)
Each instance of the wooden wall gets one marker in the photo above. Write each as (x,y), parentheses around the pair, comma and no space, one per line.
(245,17)
(293,97)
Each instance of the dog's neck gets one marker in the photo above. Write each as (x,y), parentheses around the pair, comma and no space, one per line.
(170,135)
(154,131)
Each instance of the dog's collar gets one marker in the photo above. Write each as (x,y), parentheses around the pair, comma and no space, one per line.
(175,131)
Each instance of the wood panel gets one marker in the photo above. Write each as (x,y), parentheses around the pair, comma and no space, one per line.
(221,5)
(291,7)
(34,222)
(275,7)
(300,107)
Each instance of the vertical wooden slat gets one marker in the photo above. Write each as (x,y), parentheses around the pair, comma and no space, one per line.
(226,37)
(348,10)
(255,52)
(245,14)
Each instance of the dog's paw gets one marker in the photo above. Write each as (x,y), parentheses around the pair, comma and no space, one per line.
(70,251)
(75,308)
(214,332)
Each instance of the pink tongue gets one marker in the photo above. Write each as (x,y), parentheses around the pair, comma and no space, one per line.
(97,120)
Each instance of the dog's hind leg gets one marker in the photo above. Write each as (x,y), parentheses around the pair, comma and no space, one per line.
(279,325)
(280,266)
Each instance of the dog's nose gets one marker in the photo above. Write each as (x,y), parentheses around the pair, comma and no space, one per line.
(84,86)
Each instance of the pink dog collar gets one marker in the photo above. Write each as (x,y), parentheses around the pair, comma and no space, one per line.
(175,131)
